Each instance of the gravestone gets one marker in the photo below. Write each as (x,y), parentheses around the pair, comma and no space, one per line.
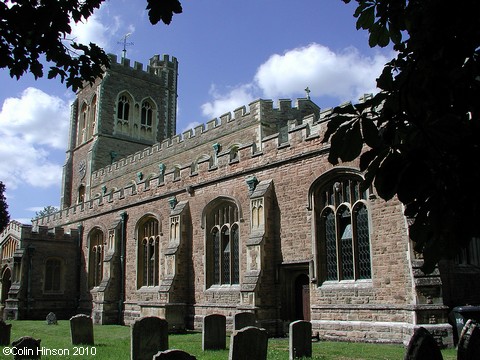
(149,335)
(469,342)
(81,329)
(243,319)
(173,355)
(214,332)
(27,347)
(249,343)
(300,343)
(5,331)
(422,346)
(51,319)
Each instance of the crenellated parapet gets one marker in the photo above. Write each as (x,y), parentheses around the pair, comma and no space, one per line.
(154,66)
(150,174)
(22,231)
(262,118)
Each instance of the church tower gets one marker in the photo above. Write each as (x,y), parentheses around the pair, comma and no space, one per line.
(127,110)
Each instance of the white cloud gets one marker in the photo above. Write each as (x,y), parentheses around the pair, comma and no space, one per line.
(222,103)
(100,28)
(33,128)
(345,75)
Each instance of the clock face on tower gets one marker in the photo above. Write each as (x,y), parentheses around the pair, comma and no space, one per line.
(82,168)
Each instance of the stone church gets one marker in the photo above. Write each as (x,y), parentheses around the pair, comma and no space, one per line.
(241,214)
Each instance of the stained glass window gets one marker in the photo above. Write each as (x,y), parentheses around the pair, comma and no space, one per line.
(148,253)
(331,245)
(342,234)
(224,266)
(363,243)
(95,268)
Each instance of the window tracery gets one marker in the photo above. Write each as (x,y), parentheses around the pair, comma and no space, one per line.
(223,262)
(342,230)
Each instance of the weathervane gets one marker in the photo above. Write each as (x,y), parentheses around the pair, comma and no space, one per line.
(125,44)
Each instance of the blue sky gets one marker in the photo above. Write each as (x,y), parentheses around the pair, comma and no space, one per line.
(230,53)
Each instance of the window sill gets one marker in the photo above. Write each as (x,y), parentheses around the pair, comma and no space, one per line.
(346,284)
(224,287)
(147,289)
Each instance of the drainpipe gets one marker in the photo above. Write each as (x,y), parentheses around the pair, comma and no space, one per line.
(121,300)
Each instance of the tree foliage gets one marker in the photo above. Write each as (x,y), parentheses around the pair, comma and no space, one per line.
(32,31)
(422,131)
(47,210)
(4,215)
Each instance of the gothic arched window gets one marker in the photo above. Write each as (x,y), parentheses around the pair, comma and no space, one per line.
(93,116)
(82,124)
(146,119)
(223,253)
(342,230)
(95,260)
(124,109)
(148,253)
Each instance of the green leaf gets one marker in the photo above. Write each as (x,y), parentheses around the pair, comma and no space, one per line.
(383,37)
(414,182)
(352,143)
(370,132)
(386,178)
(336,145)
(366,18)
(333,125)
(366,158)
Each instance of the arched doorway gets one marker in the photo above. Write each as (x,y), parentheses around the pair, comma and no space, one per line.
(302,297)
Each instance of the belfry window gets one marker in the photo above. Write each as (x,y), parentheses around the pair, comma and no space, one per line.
(148,253)
(223,256)
(124,109)
(146,117)
(342,231)
(95,261)
(82,124)
(93,117)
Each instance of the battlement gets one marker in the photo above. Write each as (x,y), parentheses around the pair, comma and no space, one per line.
(302,137)
(156,62)
(260,112)
(23,231)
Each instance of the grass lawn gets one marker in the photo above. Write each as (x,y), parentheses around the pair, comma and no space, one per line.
(113,342)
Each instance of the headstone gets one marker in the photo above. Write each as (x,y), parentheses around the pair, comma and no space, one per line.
(27,348)
(249,343)
(81,329)
(51,319)
(149,335)
(173,355)
(5,331)
(214,332)
(422,346)
(300,343)
(243,319)
(469,342)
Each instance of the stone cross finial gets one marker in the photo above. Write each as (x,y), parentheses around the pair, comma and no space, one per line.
(307,90)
